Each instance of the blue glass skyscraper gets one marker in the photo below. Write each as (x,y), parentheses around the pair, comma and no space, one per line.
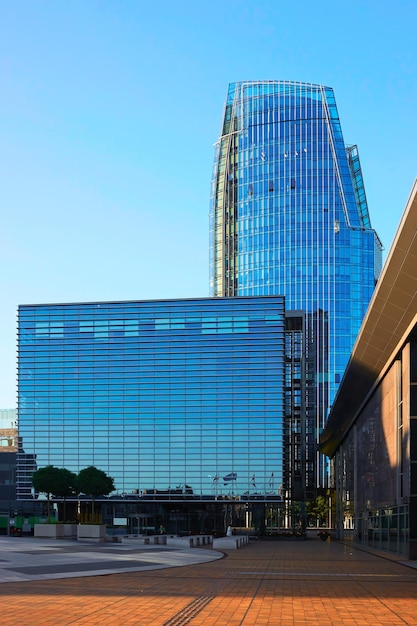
(218,403)
(289,216)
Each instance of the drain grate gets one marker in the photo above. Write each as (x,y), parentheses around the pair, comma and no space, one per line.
(185,615)
(190,611)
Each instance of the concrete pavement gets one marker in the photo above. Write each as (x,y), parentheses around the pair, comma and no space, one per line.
(27,558)
(266,583)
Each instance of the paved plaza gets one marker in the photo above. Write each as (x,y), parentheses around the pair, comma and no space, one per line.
(45,583)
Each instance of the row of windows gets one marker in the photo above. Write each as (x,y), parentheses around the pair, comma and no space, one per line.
(178,377)
(147,312)
(100,401)
(148,360)
(168,464)
(270,438)
(187,403)
(159,473)
(176,444)
(205,369)
(55,330)
(71,381)
(203,413)
(260,405)
(219,432)
(120,393)
(239,421)
(208,372)
(271,435)
(113,380)
(129,350)
(146,391)
(210,445)
(56,361)
(151,389)
(192,389)
(127,340)
(175,413)
(211,433)
(132,465)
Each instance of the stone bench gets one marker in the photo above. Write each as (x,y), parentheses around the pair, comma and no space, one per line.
(190,541)
(231,543)
(153,540)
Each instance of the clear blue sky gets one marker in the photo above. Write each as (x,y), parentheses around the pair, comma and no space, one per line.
(108,114)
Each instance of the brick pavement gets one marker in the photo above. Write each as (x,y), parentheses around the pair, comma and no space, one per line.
(267,583)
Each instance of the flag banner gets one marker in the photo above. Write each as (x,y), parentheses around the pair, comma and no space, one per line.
(229,477)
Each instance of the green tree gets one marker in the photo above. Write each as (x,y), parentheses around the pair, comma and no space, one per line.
(319,511)
(66,485)
(47,480)
(94,482)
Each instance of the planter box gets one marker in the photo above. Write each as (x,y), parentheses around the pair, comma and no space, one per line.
(91,532)
(70,531)
(49,531)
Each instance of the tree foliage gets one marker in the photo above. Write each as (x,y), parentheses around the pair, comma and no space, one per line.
(55,481)
(47,480)
(60,482)
(94,482)
(321,510)
(318,510)
(66,483)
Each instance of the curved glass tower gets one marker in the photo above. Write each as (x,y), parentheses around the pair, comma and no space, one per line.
(289,216)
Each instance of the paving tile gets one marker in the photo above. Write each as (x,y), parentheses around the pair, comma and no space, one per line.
(265,583)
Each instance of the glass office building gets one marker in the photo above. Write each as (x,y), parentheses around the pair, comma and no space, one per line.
(171,398)
(289,216)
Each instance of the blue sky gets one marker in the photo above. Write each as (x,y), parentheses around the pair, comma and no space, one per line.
(108,114)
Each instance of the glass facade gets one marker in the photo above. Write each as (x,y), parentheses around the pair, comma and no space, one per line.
(289,216)
(172,397)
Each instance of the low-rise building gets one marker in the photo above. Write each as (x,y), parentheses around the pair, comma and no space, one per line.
(371,434)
